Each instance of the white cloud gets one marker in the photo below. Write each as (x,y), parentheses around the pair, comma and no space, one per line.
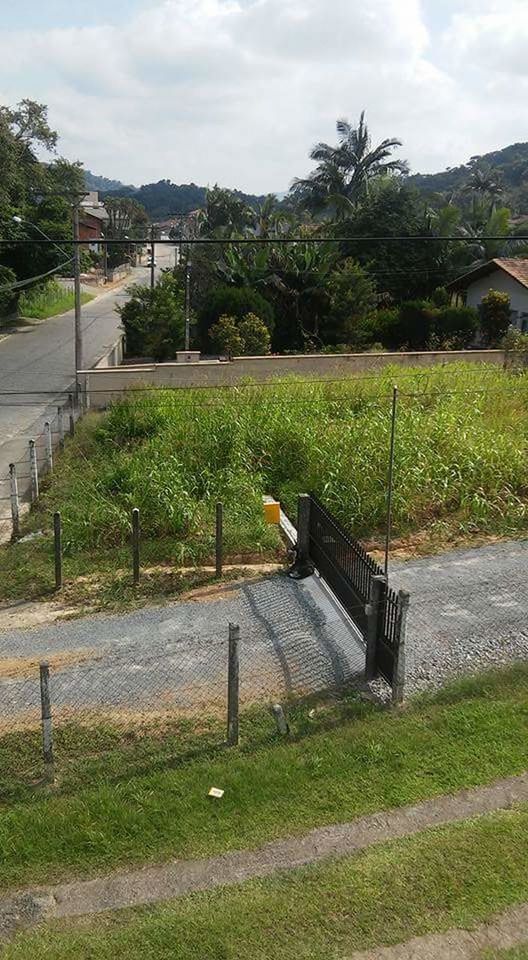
(239,90)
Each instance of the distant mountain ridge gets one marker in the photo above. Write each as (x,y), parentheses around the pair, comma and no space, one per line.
(165,199)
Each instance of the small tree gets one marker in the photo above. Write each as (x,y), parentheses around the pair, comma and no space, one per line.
(352,305)
(225,336)
(153,320)
(255,335)
(495,310)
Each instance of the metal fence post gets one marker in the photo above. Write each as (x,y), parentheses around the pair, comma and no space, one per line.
(398,682)
(49,445)
(60,422)
(303,527)
(374,611)
(72,415)
(57,544)
(135,546)
(233,685)
(45,708)
(33,470)
(219,538)
(15,507)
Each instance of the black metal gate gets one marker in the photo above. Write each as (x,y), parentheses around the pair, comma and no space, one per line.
(349,571)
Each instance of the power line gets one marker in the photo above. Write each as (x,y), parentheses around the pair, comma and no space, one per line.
(30,280)
(272,240)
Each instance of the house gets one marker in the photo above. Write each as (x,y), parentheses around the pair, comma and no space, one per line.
(92,220)
(507,275)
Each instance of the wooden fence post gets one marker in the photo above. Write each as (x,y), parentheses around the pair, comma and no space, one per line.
(398,681)
(233,685)
(15,507)
(219,538)
(45,710)
(135,546)
(60,423)
(57,543)
(374,610)
(33,470)
(49,445)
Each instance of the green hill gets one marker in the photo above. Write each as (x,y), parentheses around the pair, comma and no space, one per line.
(510,162)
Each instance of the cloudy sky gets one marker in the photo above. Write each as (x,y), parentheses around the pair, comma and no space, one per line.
(237,91)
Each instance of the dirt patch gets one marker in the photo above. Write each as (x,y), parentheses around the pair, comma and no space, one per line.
(33,614)
(423,544)
(21,668)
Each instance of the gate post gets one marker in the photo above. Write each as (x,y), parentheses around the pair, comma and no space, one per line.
(302,566)
(374,611)
(398,682)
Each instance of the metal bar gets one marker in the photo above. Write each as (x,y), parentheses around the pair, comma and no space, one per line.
(45,709)
(15,507)
(57,547)
(391,478)
(398,682)
(219,538)
(135,546)
(233,677)
(33,470)
(49,445)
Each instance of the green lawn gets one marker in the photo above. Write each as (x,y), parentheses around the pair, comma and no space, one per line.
(48,301)
(470,734)
(454,876)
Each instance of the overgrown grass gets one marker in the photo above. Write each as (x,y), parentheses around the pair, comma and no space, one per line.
(456,876)
(48,301)
(470,734)
(461,466)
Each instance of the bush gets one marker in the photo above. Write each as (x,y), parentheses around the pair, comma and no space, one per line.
(153,320)
(226,338)
(410,326)
(352,306)
(440,297)
(255,335)
(236,302)
(495,309)
(8,298)
(456,326)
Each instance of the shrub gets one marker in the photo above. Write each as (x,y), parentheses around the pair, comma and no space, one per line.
(153,320)
(8,298)
(410,326)
(255,335)
(234,302)
(225,336)
(440,297)
(456,326)
(352,305)
(495,310)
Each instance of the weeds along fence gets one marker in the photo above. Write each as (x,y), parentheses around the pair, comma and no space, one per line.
(20,486)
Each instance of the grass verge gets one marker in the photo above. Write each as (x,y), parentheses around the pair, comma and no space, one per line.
(452,876)
(469,734)
(48,301)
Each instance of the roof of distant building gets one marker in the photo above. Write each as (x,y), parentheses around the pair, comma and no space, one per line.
(515,267)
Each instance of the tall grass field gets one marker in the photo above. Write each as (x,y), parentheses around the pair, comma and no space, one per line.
(48,301)
(461,463)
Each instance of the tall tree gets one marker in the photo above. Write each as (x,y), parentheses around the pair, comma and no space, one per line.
(344,172)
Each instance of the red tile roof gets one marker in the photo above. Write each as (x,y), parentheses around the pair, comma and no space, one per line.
(515,267)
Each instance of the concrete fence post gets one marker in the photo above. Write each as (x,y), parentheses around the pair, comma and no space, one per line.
(374,611)
(45,711)
(57,546)
(398,681)
(233,676)
(15,506)
(49,445)
(72,414)
(33,470)
(219,539)
(135,546)
(60,422)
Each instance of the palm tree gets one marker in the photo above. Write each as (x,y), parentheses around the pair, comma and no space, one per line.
(484,183)
(344,172)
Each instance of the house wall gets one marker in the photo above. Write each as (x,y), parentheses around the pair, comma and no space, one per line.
(105,385)
(499,280)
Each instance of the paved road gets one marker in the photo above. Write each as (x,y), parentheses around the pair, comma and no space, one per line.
(41,358)
(294,640)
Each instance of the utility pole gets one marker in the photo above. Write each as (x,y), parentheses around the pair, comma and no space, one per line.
(152,248)
(188,304)
(77,288)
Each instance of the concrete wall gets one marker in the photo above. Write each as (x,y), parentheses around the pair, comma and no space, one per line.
(501,281)
(105,384)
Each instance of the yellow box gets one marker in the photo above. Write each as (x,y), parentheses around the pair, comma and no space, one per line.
(272,512)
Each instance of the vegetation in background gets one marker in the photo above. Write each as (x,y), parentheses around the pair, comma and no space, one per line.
(235,302)
(48,300)
(154,319)
(494,312)
(250,337)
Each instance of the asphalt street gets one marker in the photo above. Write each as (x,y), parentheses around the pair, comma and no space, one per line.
(41,358)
